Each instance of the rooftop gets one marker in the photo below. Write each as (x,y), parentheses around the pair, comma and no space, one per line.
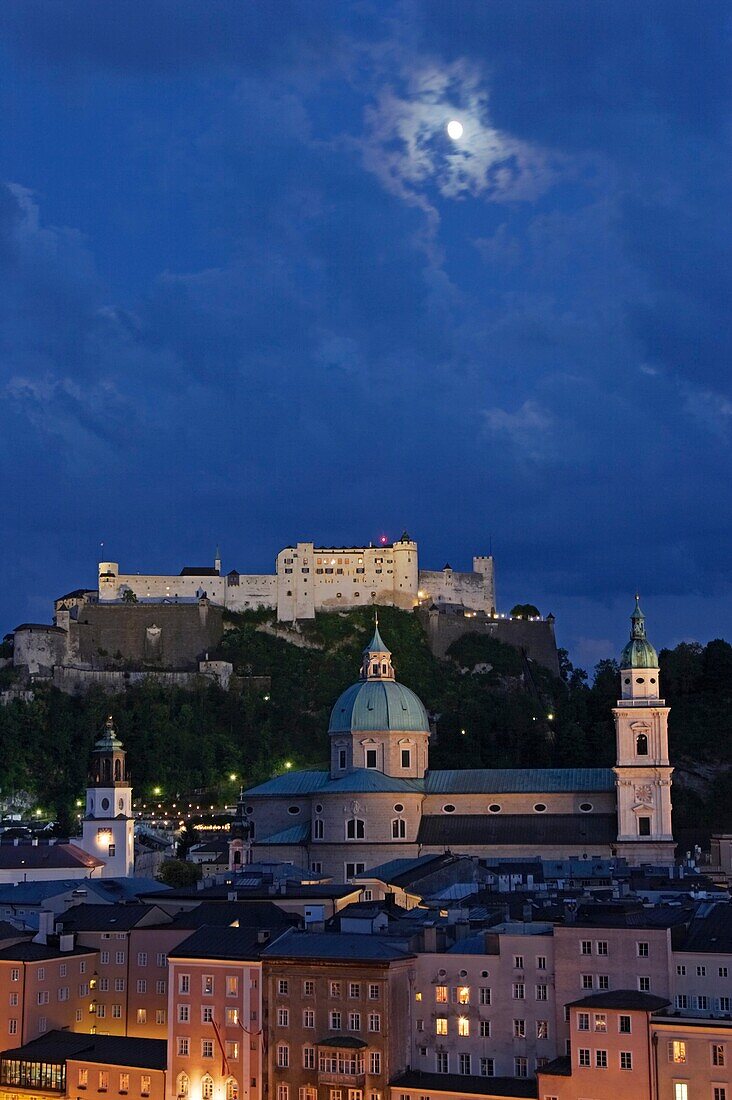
(218,942)
(327,945)
(116,1050)
(35,952)
(36,857)
(453,830)
(622,998)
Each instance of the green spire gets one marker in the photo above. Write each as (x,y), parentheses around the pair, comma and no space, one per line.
(638,653)
(376,645)
(109,739)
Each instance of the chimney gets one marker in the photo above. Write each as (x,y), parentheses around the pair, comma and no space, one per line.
(45,926)
(66,941)
(262,935)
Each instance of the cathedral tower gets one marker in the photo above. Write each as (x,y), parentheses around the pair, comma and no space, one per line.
(108,830)
(642,770)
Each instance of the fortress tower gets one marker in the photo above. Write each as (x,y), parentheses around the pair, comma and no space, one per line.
(642,771)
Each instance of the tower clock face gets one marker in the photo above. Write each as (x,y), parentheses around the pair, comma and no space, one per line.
(105,803)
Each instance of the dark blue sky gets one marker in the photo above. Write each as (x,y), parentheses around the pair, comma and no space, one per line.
(251,292)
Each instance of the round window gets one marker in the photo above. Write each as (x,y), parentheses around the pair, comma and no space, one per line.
(319,807)
(494,808)
(442,973)
(585,807)
(249,809)
(484,973)
(653,679)
(627,680)
(105,803)
(398,808)
(448,809)
(540,807)
(463,973)
(293,810)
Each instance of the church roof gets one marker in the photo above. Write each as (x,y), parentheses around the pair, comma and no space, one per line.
(378,706)
(463,781)
(519,780)
(376,645)
(294,834)
(452,830)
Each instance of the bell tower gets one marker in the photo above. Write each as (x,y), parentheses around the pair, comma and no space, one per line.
(642,769)
(108,830)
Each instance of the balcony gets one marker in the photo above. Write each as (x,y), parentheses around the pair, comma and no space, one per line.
(351,1080)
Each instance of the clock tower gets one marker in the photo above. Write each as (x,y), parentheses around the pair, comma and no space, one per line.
(642,770)
(108,830)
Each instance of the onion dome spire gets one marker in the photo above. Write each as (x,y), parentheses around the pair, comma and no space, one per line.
(376,664)
(638,653)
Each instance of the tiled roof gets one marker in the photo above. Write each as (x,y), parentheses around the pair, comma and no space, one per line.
(217,942)
(326,945)
(558,1067)
(36,857)
(388,872)
(363,780)
(248,914)
(290,783)
(711,930)
(115,1050)
(622,998)
(35,952)
(294,834)
(103,918)
(465,1086)
(453,830)
(519,780)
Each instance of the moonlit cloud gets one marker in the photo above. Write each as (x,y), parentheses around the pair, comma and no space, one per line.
(407,149)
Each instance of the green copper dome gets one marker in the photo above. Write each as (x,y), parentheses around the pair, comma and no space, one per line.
(376,706)
(638,653)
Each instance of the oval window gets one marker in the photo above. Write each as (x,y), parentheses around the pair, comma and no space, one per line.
(540,807)
(484,973)
(653,679)
(585,807)
(398,808)
(249,809)
(494,808)
(293,810)
(463,973)
(318,807)
(442,973)
(627,680)
(639,679)
(105,803)
(448,809)
(121,804)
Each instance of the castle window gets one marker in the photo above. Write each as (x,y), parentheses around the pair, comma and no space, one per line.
(641,745)
(540,807)
(406,758)
(398,828)
(355,828)
(644,826)
(494,808)
(448,809)
(371,758)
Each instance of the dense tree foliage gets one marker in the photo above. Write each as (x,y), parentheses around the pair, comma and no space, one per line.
(491,708)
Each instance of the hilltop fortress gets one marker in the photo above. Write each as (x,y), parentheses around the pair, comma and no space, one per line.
(136,625)
(310,578)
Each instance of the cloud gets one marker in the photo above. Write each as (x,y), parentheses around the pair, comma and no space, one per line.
(528,429)
(406,146)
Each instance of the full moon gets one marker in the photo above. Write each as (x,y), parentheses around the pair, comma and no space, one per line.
(455,130)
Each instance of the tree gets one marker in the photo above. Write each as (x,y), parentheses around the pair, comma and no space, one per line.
(179,873)
(128,596)
(524,611)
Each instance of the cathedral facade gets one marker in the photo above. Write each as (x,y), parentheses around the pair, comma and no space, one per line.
(380,800)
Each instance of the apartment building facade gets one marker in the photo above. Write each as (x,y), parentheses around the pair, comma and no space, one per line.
(43,987)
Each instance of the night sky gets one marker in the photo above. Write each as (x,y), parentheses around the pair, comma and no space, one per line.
(251,292)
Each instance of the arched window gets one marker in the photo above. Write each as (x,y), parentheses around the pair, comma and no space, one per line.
(237,857)
(182,1084)
(207,1087)
(641,745)
(384,668)
(398,828)
(117,770)
(318,828)
(232,1089)
(355,828)
(106,769)
(283,1055)
(375,669)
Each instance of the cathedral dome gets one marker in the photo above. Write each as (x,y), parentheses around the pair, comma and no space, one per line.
(638,653)
(378,706)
